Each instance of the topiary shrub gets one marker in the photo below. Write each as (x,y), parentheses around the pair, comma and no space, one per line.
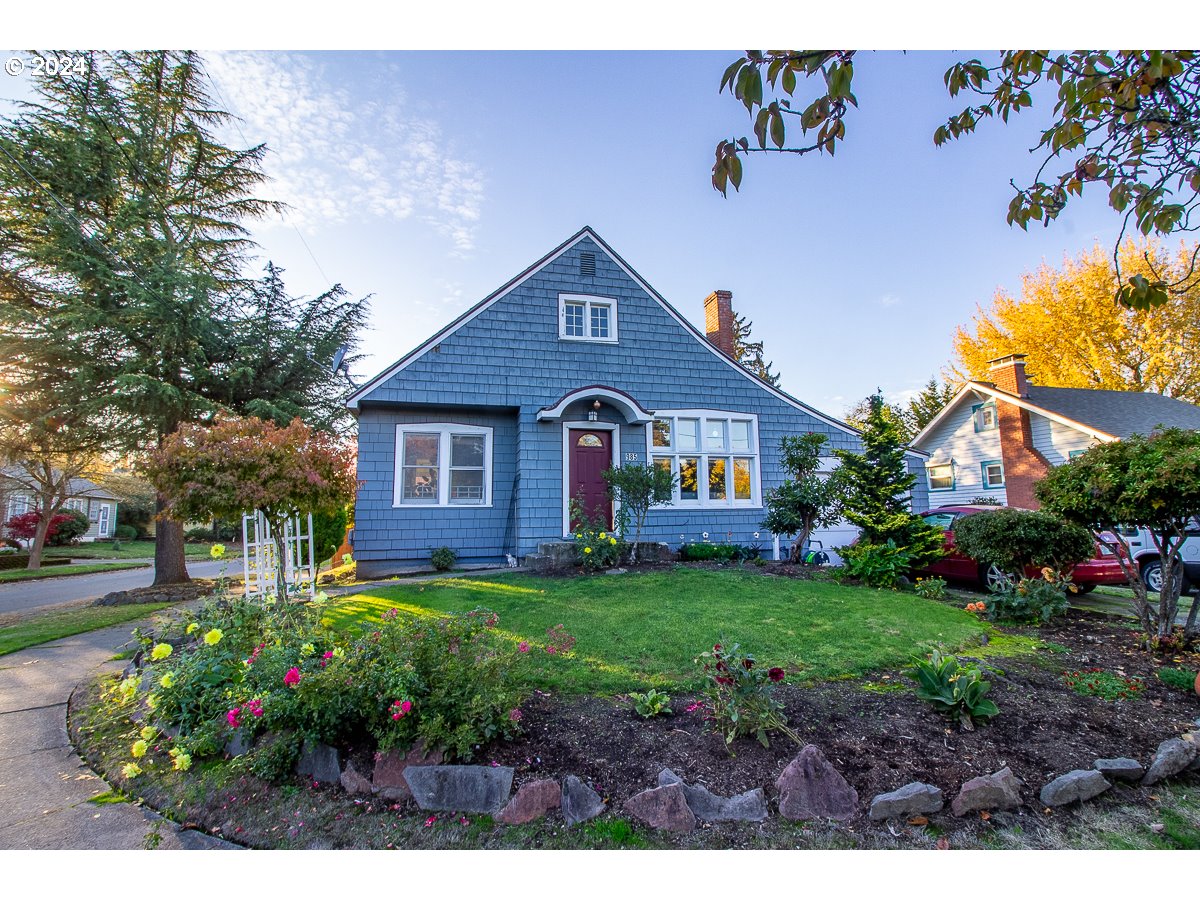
(125,533)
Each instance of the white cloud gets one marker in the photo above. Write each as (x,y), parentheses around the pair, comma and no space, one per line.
(335,157)
(889,300)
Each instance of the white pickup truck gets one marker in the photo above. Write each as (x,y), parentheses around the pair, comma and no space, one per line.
(1142,549)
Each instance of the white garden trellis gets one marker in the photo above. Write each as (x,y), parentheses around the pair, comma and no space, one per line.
(260,567)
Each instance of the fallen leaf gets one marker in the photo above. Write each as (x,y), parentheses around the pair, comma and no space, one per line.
(918,820)
(984,814)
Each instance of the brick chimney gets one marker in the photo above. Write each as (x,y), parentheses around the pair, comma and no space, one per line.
(718,321)
(1024,466)
(1008,374)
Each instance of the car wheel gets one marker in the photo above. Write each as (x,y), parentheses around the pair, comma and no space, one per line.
(1152,575)
(994,578)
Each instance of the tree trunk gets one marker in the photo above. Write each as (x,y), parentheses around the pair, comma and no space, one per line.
(39,542)
(169,564)
(796,554)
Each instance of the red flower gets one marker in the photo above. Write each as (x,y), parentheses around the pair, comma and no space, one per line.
(292,678)
(776,674)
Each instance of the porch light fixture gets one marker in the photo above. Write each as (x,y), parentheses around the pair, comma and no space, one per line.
(594,413)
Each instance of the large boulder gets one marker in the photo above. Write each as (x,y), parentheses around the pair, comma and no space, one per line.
(388,778)
(579,802)
(478,789)
(1081,784)
(1000,790)
(1172,757)
(750,806)
(811,788)
(532,801)
(914,799)
(662,807)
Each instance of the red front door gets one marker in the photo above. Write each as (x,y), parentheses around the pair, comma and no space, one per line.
(590,453)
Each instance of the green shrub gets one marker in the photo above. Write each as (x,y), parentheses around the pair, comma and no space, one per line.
(1013,539)
(1183,679)
(1030,599)
(956,690)
(125,533)
(329,530)
(596,546)
(198,535)
(702,552)
(876,565)
(652,703)
(739,695)
(443,559)
(931,588)
(281,671)
(1105,685)
(69,526)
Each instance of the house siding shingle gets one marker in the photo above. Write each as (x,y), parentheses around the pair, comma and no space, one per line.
(510,356)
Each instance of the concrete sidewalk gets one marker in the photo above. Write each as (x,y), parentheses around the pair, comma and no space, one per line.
(44,785)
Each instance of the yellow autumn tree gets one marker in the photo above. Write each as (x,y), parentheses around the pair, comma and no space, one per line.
(1075,335)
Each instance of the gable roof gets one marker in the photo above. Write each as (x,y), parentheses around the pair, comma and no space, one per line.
(1102,414)
(1119,413)
(587,232)
(79,487)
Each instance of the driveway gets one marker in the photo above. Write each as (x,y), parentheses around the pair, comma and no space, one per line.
(25,595)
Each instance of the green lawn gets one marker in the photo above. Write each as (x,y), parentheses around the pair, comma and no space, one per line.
(56,571)
(644,630)
(54,625)
(129,550)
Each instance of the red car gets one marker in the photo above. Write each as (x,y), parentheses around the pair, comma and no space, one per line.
(1103,568)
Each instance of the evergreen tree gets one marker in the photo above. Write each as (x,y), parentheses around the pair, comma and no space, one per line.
(877,489)
(749,354)
(929,401)
(122,233)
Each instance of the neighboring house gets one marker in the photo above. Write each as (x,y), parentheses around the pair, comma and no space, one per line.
(997,439)
(98,504)
(479,437)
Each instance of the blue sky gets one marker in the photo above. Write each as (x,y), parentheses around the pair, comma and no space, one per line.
(430,178)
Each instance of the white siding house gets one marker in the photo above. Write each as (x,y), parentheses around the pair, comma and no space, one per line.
(93,501)
(962,446)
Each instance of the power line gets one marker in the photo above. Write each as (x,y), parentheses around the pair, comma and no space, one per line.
(237,124)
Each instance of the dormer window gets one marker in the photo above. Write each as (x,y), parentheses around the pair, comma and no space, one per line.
(583,317)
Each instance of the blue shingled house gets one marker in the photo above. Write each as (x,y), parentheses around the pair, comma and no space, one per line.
(477,439)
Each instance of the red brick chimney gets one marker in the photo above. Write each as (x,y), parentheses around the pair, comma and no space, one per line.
(1023,465)
(1008,374)
(718,321)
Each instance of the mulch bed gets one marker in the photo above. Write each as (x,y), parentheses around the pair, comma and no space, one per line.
(878,739)
(878,736)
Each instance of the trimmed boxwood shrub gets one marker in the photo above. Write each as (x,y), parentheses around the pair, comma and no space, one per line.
(125,533)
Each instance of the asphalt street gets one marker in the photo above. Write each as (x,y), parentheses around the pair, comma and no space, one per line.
(25,595)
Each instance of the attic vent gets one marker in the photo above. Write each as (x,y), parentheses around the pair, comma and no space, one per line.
(587,264)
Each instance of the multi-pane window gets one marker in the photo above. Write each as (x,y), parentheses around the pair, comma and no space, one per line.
(18,505)
(442,464)
(582,317)
(993,473)
(714,456)
(941,477)
(76,504)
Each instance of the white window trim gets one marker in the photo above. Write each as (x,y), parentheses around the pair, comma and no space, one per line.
(929,466)
(615,461)
(445,430)
(588,301)
(76,504)
(754,454)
